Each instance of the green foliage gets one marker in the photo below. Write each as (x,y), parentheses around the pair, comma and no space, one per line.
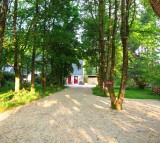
(8,76)
(141,94)
(96,91)
(131,84)
(10,99)
(144,45)
(38,79)
(131,93)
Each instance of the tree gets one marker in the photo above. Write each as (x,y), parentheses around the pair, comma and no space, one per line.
(3,13)
(34,47)
(16,50)
(156,6)
(144,48)
(112,46)
(101,10)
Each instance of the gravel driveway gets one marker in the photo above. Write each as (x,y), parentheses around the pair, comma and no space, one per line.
(74,115)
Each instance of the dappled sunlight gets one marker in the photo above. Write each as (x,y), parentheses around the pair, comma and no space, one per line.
(5,115)
(100,136)
(99,107)
(126,126)
(154,115)
(75,102)
(136,118)
(47,103)
(154,106)
(141,107)
(105,102)
(68,96)
(76,109)
(77,116)
(54,123)
(143,127)
(83,133)
(63,111)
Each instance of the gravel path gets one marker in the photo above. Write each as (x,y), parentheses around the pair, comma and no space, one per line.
(74,115)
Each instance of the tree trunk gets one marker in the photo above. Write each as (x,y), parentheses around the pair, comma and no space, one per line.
(3,12)
(156,6)
(43,72)
(22,68)
(16,66)
(43,57)
(52,73)
(22,56)
(108,61)
(101,40)
(124,38)
(34,49)
(111,78)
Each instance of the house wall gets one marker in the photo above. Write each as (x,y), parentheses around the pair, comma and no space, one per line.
(79,72)
(80,79)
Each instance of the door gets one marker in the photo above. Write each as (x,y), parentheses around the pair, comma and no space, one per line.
(69,80)
(75,79)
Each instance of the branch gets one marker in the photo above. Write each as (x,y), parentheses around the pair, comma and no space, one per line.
(145,31)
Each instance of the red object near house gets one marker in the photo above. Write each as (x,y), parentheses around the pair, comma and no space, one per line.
(69,80)
(75,79)
(108,82)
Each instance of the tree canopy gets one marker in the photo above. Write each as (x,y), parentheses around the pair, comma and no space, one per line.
(112,36)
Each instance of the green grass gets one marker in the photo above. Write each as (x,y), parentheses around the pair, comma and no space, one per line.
(96,91)
(10,99)
(131,93)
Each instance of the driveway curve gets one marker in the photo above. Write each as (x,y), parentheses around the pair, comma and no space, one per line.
(74,115)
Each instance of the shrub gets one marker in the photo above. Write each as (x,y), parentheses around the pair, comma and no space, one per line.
(38,79)
(131,84)
(8,76)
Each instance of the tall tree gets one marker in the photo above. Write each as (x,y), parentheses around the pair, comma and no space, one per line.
(3,13)
(101,40)
(34,47)
(16,51)
(113,53)
(125,27)
(44,57)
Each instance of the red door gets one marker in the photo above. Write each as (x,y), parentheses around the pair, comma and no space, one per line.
(69,80)
(75,79)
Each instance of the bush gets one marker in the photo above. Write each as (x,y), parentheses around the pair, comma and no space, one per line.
(98,92)
(3,81)
(131,84)
(8,76)
(38,79)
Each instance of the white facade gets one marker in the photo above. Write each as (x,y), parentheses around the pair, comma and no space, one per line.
(77,77)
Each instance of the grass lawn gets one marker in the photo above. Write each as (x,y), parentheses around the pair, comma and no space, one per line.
(10,99)
(131,93)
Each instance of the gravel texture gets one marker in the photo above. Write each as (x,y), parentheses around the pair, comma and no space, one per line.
(74,115)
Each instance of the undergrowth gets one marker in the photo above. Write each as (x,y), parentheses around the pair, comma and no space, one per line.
(10,99)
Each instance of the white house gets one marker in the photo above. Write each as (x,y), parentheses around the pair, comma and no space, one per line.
(77,77)
(80,76)
(8,69)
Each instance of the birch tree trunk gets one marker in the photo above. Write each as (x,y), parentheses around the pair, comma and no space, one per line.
(16,66)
